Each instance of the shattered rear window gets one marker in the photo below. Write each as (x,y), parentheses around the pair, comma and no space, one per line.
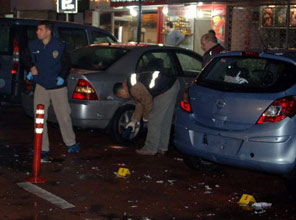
(248,74)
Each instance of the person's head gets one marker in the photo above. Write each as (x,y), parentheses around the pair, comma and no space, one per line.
(44,30)
(169,26)
(120,90)
(212,32)
(208,41)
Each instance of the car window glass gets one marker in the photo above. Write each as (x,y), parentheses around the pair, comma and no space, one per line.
(75,38)
(156,61)
(97,38)
(249,74)
(31,32)
(190,65)
(96,58)
(4,40)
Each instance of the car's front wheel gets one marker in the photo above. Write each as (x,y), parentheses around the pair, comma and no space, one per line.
(121,119)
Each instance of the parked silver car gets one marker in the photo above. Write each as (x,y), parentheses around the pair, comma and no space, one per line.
(96,68)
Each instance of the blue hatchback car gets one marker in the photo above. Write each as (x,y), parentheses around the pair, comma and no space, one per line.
(240,111)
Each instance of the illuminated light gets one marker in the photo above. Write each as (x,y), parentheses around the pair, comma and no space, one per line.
(154,77)
(185,106)
(185,102)
(39,121)
(84,91)
(40,111)
(191,11)
(250,53)
(279,110)
(165,10)
(200,4)
(133,79)
(132,10)
(38,130)
(200,13)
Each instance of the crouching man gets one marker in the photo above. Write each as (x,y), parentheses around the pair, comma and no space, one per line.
(155,95)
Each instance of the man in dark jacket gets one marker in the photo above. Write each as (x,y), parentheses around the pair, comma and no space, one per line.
(155,95)
(210,45)
(48,65)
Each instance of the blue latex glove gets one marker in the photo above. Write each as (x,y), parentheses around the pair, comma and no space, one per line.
(60,81)
(30,76)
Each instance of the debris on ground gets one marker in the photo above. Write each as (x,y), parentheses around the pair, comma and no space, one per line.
(147,176)
(260,207)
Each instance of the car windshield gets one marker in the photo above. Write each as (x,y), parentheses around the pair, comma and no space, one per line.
(96,58)
(4,40)
(248,74)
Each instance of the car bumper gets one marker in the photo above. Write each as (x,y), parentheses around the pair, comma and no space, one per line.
(93,114)
(248,148)
(96,114)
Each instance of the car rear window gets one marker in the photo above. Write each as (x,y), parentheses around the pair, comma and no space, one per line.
(96,58)
(248,74)
(97,38)
(5,40)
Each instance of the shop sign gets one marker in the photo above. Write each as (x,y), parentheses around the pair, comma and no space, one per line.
(67,6)
(117,3)
(177,11)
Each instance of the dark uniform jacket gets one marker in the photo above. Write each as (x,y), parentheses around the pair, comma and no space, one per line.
(143,87)
(210,53)
(51,61)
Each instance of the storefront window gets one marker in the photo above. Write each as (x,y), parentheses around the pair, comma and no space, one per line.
(195,20)
(273,26)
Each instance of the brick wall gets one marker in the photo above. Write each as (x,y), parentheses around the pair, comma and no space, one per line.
(244,34)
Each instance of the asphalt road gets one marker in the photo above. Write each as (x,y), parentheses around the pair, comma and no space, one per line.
(159,187)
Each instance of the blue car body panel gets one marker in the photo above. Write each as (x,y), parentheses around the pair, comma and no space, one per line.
(222,127)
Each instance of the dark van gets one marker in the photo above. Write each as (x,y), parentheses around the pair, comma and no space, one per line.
(16,33)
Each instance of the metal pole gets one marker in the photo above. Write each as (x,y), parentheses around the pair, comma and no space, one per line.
(287,25)
(139,22)
(67,17)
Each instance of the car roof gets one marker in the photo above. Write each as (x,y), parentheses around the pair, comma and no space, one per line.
(134,45)
(285,55)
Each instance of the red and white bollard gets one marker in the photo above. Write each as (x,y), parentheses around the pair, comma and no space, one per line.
(39,121)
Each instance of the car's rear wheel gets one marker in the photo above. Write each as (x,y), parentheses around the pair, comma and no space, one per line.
(121,119)
(196,163)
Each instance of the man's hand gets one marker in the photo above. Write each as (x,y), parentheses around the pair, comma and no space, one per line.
(29,76)
(34,71)
(60,81)
(131,124)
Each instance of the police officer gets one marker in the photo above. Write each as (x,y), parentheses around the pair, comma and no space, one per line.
(48,65)
(155,94)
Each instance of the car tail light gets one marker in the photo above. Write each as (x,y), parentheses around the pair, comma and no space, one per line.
(16,57)
(185,102)
(250,54)
(278,110)
(84,91)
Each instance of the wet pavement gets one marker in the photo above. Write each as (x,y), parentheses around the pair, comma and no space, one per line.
(159,187)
